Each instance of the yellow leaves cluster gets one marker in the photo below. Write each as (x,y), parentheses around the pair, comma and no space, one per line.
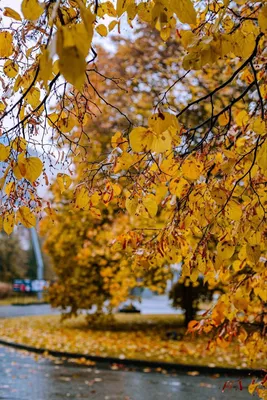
(215,46)
(158,137)
(24,216)
(145,207)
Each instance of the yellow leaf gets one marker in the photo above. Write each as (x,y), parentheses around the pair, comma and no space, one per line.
(259,126)
(116,189)
(9,222)
(218,313)
(31,9)
(64,181)
(65,122)
(252,387)
(150,204)
(102,30)
(118,140)
(253,253)
(140,139)
(131,205)
(262,18)
(95,198)
(223,119)
(26,217)
(9,12)
(122,6)
(33,167)
(161,142)
(219,196)
(184,10)
(6,44)
(82,198)
(161,122)
(233,210)
(33,97)
(11,69)
(106,8)
(178,186)
(242,118)
(194,275)
(9,188)
(191,169)
(4,152)
(112,25)
(262,157)
(225,250)
(30,168)
(186,38)
(45,64)
(158,137)
(19,144)
(144,11)
(50,212)
(55,67)
(73,45)
(2,107)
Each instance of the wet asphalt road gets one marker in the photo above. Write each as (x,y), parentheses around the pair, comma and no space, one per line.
(21,311)
(25,377)
(154,305)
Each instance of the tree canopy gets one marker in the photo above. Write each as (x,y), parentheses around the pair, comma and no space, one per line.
(197,161)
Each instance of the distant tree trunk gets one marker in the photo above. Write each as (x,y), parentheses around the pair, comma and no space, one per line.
(188,303)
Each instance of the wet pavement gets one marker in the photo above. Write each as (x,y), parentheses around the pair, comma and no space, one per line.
(26,377)
(21,311)
(154,305)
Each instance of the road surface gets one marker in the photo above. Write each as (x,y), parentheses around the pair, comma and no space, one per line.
(26,377)
(154,305)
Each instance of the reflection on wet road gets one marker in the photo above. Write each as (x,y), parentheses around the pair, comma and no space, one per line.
(25,377)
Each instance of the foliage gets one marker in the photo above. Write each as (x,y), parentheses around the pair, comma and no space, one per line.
(13,259)
(5,290)
(204,180)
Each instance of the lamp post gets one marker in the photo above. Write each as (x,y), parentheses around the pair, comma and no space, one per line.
(38,257)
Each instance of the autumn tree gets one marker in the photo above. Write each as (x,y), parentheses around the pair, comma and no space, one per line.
(205,180)
(13,258)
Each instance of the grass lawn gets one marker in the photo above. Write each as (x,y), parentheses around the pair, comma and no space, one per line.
(134,336)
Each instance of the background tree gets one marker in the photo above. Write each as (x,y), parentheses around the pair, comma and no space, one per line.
(13,259)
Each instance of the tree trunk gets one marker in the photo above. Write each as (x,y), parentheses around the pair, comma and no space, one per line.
(188,304)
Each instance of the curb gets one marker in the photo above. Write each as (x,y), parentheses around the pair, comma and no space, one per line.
(138,363)
(33,303)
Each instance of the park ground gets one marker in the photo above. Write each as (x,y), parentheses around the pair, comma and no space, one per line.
(30,376)
(150,337)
